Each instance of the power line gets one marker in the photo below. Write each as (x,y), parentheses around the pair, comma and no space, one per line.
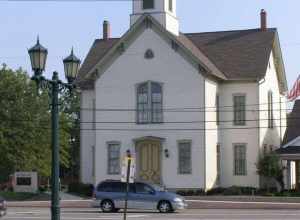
(165,122)
(171,129)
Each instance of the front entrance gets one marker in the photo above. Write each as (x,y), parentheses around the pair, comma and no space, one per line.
(149,161)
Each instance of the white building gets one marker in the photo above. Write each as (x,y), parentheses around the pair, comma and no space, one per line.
(196,109)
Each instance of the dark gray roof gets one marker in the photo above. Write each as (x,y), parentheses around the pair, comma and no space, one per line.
(99,48)
(293,124)
(289,150)
(241,54)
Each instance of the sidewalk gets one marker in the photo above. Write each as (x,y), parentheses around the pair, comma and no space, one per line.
(207,202)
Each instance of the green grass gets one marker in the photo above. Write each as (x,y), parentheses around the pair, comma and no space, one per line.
(14,196)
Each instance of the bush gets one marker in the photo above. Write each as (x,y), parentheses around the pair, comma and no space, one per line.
(191,192)
(215,191)
(81,189)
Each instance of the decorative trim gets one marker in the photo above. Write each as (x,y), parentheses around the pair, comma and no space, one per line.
(175,46)
(149,54)
(121,48)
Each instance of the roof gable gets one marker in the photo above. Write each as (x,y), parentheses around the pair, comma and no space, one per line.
(225,55)
(103,50)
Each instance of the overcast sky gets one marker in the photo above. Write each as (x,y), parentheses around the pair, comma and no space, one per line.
(63,24)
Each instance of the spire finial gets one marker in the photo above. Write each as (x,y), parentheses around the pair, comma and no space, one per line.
(38,39)
(72,51)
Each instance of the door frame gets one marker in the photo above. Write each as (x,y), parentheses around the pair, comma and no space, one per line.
(161,141)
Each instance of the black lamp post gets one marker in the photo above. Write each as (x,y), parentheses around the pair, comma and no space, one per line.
(38,56)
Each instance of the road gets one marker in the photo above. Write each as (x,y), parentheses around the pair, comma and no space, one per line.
(192,214)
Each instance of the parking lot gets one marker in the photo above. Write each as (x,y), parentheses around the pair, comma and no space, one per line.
(92,214)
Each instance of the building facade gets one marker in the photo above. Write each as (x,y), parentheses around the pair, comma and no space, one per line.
(195,109)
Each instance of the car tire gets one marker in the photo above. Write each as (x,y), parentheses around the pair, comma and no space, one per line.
(164,207)
(107,206)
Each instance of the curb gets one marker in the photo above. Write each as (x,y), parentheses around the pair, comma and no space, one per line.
(192,204)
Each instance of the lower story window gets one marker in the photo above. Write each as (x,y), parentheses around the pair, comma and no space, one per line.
(113,149)
(240,161)
(184,157)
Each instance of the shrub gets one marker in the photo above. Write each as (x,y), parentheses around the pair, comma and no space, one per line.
(190,192)
(215,191)
(81,189)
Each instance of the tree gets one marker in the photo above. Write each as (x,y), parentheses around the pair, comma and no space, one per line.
(269,166)
(25,128)
(71,111)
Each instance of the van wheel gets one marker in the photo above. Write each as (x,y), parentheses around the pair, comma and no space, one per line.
(107,206)
(164,207)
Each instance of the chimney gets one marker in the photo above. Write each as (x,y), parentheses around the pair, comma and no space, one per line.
(106,30)
(263,20)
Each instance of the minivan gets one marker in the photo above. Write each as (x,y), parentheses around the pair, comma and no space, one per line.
(109,195)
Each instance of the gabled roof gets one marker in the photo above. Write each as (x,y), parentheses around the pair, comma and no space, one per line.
(293,124)
(239,54)
(99,48)
(102,50)
(227,55)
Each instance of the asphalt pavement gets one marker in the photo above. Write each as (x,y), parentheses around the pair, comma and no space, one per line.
(193,214)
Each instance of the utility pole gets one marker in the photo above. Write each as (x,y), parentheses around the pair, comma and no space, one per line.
(129,158)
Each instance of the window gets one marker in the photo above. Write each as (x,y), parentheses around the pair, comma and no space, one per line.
(270,110)
(184,154)
(94,114)
(171,5)
(239,105)
(240,162)
(113,158)
(217,110)
(218,163)
(142,188)
(148,4)
(93,151)
(149,103)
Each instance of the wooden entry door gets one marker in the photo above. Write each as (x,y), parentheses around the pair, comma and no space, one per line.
(149,161)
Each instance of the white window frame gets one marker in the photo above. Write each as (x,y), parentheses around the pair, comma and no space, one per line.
(179,169)
(150,114)
(270,110)
(109,170)
(143,1)
(171,5)
(236,164)
(244,112)
(218,154)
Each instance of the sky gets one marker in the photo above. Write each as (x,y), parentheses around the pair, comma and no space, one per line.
(63,24)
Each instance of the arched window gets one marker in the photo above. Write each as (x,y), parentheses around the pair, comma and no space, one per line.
(149,103)
(148,4)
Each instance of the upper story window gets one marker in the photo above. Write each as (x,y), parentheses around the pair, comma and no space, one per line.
(217,109)
(239,110)
(148,4)
(270,110)
(171,5)
(149,103)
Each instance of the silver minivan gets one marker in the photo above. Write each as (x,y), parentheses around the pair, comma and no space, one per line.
(109,195)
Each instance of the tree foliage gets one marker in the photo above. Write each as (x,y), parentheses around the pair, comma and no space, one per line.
(25,126)
(269,166)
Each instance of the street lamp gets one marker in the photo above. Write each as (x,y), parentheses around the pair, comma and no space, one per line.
(38,57)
